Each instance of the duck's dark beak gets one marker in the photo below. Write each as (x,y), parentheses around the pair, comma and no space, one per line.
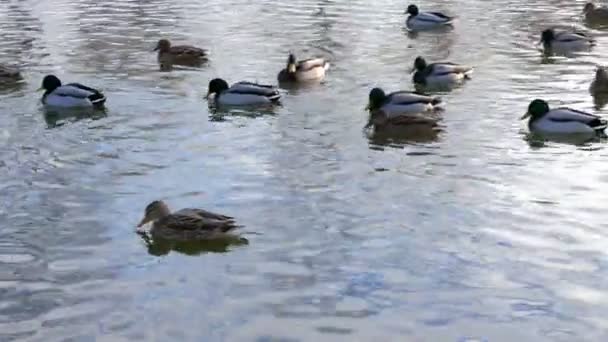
(208,95)
(368,107)
(156,48)
(143,221)
(527,115)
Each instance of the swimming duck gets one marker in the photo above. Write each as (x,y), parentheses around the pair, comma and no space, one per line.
(562,120)
(242,93)
(302,71)
(72,95)
(594,14)
(9,74)
(418,21)
(180,54)
(565,41)
(445,73)
(401,102)
(600,83)
(186,224)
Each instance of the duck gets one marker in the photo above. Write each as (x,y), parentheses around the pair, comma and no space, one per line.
(8,74)
(594,14)
(444,73)
(187,55)
(242,93)
(562,120)
(600,82)
(554,40)
(186,224)
(311,69)
(71,95)
(418,21)
(401,103)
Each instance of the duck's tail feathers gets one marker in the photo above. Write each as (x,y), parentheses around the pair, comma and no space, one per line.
(326,66)
(97,99)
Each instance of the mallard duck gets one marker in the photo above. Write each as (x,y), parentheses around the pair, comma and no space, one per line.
(242,93)
(562,120)
(72,95)
(302,71)
(600,83)
(594,14)
(8,74)
(180,54)
(186,224)
(401,102)
(553,40)
(418,21)
(439,73)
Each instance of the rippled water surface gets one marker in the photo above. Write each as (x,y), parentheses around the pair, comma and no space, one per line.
(477,233)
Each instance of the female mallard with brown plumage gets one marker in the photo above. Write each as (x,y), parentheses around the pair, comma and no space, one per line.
(312,69)
(187,224)
(186,55)
(8,74)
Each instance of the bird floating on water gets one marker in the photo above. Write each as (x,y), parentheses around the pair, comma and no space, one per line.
(419,21)
(312,69)
(562,120)
(439,74)
(186,55)
(242,93)
(71,95)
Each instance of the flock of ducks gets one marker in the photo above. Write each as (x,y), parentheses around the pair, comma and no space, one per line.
(396,109)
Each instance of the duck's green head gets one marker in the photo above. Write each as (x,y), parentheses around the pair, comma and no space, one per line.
(216,86)
(419,64)
(50,83)
(377,97)
(588,7)
(291,63)
(547,36)
(163,45)
(412,10)
(537,109)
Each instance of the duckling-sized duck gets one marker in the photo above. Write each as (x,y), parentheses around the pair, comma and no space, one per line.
(562,120)
(401,103)
(439,74)
(242,93)
(600,83)
(179,55)
(565,41)
(312,69)
(8,74)
(72,95)
(595,15)
(419,21)
(186,224)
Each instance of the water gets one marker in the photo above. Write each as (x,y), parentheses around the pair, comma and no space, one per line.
(475,234)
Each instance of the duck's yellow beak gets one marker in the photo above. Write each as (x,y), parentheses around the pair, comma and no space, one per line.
(527,115)
(368,107)
(40,89)
(291,68)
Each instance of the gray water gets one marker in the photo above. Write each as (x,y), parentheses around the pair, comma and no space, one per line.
(478,233)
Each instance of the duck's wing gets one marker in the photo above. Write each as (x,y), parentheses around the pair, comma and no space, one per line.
(185,222)
(436,17)
(188,50)
(204,214)
(255,89)
(407,97)
(412,120)
(572,36)
(569,115)
(448,67)
(311,63)
(80,91)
